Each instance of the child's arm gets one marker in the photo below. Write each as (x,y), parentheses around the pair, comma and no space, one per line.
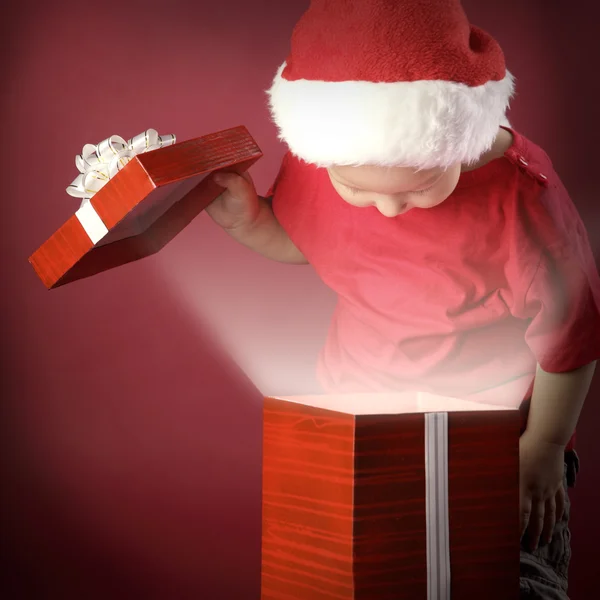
(249,219)
(556,403)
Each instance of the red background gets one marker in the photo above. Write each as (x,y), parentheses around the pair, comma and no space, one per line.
(131,439)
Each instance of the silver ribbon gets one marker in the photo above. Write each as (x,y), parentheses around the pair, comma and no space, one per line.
(437,506)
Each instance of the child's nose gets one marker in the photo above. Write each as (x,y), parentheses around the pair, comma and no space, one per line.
(391,207)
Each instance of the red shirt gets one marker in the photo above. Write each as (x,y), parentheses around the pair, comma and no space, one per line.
(461,299)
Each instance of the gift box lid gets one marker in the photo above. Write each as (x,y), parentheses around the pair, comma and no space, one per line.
(143,207)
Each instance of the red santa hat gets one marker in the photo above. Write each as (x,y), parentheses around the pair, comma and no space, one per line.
(390,82)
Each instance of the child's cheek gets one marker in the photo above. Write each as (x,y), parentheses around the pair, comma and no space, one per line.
(428,201)
(357,200)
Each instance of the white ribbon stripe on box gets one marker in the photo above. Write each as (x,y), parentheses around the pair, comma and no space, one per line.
(437,506)
(97,164)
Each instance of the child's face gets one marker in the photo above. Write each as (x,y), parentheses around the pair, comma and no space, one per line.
(394,190)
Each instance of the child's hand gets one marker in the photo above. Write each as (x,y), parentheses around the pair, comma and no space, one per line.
(238,205)
(542,494)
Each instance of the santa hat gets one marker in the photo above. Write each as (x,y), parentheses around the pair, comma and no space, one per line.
(390,82)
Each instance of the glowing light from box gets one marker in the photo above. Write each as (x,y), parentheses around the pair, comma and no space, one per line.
(259,311)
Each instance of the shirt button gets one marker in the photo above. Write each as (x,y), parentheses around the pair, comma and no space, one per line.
(523,161)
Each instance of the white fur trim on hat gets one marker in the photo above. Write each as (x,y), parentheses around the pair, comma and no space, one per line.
(421,124)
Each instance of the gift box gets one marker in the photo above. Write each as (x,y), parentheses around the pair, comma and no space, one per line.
(136,197)
(380,497)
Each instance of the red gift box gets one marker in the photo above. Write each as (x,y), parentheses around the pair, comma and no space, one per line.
(143,207)
(406,496)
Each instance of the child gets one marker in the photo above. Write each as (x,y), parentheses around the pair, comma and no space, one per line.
(460,263)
